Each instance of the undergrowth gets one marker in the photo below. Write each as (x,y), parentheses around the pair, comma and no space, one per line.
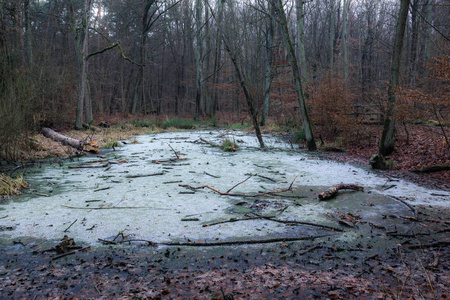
(11,186)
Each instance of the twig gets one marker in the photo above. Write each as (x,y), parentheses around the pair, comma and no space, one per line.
(214,176)
(239,184)
(89,167)
(39,194)
(101,189)
(158,161)
(245,242)
(407,204)
(435,244)
(309,249)
(209,143)
(70,253)
(232,220)
(144,175)
(70,225)
(176,154)
(239,195)
(113,207)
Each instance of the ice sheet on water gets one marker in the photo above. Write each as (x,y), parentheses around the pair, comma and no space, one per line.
(152,207)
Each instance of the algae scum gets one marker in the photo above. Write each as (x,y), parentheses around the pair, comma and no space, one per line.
(144,192)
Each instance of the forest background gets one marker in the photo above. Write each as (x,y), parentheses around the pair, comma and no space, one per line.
(72,62)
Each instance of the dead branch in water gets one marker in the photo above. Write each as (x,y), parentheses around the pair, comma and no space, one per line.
(227,193)
(287,222)
(334,190)
(223,243)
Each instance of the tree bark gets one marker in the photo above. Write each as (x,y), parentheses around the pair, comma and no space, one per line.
(248,96)
(334,190)
(217,58)
(344,39)
(77,144)
(277,4)
(198,57)
(301,40)
(82,48)
(386,146)
(268,75)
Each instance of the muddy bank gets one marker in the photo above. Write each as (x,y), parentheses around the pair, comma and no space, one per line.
(317,268)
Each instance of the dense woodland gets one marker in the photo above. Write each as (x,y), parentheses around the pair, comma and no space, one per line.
(250,61)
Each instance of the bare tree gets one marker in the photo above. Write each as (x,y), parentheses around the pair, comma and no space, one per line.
(198,57)
(82,52)
(386,146)
(278,7)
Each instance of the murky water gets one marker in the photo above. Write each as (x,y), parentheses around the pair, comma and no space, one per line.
(144,199)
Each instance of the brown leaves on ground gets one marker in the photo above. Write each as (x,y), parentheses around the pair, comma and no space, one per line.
(416,147)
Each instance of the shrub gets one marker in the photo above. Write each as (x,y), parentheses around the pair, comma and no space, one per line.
(112,145)
(11,186)
(229,146)
(299,137)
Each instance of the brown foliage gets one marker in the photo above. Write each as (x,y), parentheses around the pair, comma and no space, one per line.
(332,109)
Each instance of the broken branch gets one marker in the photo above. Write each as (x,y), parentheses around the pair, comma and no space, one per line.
(238,195)
(334,190)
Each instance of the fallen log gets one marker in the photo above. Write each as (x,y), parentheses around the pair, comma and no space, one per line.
(431,169)
(77,144)
(334,190)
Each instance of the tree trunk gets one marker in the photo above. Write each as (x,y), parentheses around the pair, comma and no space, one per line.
(344,39)
(198,58)
(82,53)
(268,75)
(77,144)
(217,58)
(297,80)
(301,40)
(386,146)
(331,41)
(28,33)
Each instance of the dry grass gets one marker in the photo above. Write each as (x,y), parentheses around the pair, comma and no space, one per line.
(11,186)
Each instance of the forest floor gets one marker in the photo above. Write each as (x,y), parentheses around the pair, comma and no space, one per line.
(416,268)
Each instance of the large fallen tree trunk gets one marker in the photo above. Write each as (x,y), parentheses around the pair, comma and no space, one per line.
(77,144)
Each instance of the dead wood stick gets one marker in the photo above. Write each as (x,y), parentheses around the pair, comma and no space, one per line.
(431,169)
(175,152)
(71,252)
(209,143)
(144,175)
(119,161)
(334,190)
(238,184)
(246,242)
(407,204)
(214,176)
(258,217)
(88,167)
(102,189)
(232,220)
(309,249)
(158,161)
(440,243)
(150,243)
(114,207)
(71,225)
(39,194)
(96,161)
(239,195)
